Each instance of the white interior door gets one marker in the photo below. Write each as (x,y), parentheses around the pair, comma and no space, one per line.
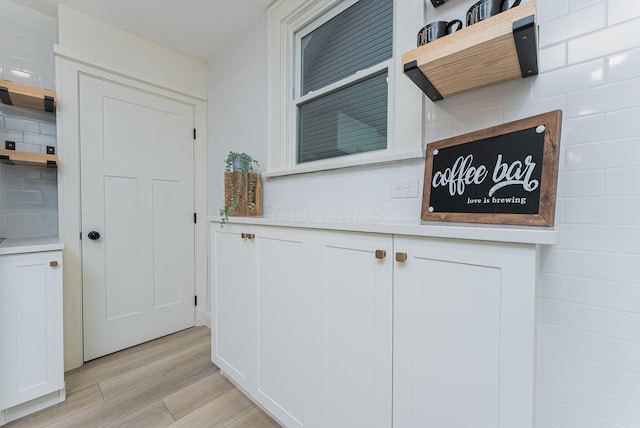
(137,194)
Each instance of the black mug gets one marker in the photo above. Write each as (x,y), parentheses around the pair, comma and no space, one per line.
(437,29)
(487,8)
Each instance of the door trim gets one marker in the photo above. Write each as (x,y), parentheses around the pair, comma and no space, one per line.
(69,203)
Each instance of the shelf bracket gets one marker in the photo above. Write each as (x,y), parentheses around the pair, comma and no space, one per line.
(4,96)
(524,36)
(48,103)
(413,72)
(6,160)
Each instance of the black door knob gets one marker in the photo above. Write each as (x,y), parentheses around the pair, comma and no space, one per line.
(93,235)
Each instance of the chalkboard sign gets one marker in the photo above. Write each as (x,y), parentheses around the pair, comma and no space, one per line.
(506,174)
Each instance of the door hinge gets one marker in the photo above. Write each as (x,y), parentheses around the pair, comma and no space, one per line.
(195,300)
(81,236)
(194,133)
(195,217)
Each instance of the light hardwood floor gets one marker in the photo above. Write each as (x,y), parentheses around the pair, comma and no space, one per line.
(168,382)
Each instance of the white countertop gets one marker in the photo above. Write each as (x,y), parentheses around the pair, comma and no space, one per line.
(476,232)
(30,245)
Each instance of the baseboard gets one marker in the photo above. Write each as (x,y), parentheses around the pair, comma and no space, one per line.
(32,406)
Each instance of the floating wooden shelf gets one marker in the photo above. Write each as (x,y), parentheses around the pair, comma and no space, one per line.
(14,157)
(27,96)
(492,51)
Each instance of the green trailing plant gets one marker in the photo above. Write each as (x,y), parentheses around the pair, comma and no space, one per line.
(246,165)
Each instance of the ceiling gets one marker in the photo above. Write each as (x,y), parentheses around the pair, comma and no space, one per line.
(196,28)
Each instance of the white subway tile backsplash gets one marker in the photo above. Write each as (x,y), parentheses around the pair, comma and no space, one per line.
(604,266)
(570,315)
(540,423)
(553,411)
(552,10)
(552,57)
(577,4)
(622,182)
(622,10)
(569,366)
(580,22)
(570,79)
(28,195)
(620,353)
(40,140)
(623,65)
(581,183)
(41,230)
(610,154)
(603,99)
(622,211)
(620,410)
(571,289)
(12,123)
(586,237)
(23,220)
(621,297)
(624,382)
(585,210)
(623,124)
(48,129)
(622,239)
(598,44)
(569,340)
(571,393)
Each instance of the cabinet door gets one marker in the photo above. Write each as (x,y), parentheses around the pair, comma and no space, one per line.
(464,334)
(285,325)
(31,348)
(353,337)
(233,295)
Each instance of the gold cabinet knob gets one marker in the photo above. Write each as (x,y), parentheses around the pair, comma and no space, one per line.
(401,257)
(243,235)
(53,263)
(381,254)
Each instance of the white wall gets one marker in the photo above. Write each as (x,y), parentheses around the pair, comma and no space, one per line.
(589,309)
(28,195)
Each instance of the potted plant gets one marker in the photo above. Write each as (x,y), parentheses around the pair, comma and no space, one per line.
(242,187)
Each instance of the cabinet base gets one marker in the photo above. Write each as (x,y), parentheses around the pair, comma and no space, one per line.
(24,409)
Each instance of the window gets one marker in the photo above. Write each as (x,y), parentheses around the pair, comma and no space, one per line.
(342,104)
(335,84)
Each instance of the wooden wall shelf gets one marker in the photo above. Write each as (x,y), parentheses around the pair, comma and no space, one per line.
(15,157)
(498,49)
(27,96)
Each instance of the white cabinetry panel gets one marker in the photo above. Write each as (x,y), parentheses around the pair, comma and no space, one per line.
(354,331)
(31,351)
(464,334)
(327,329)
(285,302)
(234,325)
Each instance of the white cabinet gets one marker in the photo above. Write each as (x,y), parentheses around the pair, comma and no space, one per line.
(286,302)
(334,329)
(31,344)
(464,334)
(234,302)
(353,330)
(303,323)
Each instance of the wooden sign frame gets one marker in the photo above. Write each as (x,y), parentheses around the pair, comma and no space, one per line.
(506,156)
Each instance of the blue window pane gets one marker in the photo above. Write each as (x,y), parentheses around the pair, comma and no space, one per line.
(350,120)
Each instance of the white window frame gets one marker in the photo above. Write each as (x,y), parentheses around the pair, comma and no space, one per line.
(286,20)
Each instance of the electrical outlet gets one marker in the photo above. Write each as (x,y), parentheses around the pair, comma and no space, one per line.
(404,188)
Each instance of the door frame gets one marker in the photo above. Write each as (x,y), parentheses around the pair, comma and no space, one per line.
(68,71)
